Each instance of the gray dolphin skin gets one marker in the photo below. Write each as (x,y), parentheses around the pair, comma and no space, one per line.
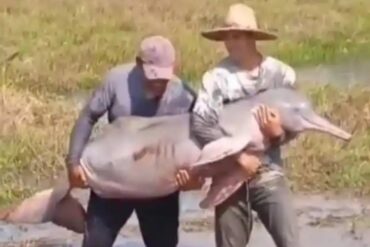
(137,157)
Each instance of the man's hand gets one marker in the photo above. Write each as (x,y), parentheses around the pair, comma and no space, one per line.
(77,178)
(186,182)
(249,162)
(269,122)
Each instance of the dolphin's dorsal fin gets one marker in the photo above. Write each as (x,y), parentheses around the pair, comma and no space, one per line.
(220,149)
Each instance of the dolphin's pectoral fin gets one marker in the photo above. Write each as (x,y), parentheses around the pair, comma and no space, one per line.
(70,214)
(221,148)
(222,187)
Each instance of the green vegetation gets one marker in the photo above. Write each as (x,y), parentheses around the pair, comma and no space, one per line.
(65,46)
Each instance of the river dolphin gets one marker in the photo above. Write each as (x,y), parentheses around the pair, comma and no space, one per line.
(138,157)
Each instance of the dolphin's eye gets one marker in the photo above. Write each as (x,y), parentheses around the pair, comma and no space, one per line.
(297,109)
(300,107)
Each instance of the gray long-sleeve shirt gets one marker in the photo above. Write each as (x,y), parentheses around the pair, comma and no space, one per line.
(122,94)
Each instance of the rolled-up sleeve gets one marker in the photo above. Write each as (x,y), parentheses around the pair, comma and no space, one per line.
(289,76)
(204,118)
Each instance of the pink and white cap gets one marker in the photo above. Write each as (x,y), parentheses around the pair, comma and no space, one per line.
(158,56)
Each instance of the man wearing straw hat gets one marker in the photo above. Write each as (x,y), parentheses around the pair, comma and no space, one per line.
(243,73)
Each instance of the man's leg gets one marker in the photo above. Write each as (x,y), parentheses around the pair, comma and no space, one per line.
(273,203)
(234,220)
(159,220)
(105,218)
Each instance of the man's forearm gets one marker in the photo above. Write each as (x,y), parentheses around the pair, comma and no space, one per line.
(282,139)
(79,137)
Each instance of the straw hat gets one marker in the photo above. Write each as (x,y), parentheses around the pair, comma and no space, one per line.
(240,17)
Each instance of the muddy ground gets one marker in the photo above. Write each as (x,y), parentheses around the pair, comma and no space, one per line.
(340,222)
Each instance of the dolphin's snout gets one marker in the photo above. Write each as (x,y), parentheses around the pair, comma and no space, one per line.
(318,123)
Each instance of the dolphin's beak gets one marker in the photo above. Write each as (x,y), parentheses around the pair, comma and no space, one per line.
(315,122)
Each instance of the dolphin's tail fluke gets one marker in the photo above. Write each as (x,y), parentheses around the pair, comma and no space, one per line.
(54,205)
(70,214)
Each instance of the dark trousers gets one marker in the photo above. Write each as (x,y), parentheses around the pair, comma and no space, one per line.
(158,220)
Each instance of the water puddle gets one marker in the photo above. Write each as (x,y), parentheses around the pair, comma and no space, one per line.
(350,73)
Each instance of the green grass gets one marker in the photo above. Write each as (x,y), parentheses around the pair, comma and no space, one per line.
(66,45)
(63,47)
(321,163)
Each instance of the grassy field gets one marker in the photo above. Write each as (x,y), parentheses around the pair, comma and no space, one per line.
(53,48)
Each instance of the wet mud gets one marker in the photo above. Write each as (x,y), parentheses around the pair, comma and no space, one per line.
(340,222)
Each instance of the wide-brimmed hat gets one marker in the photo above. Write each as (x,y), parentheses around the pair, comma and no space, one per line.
(240,17)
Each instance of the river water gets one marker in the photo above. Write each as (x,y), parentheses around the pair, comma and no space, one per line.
(340,222)
(350,73)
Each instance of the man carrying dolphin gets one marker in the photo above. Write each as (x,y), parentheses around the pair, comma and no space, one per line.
(243,73)
(140,89)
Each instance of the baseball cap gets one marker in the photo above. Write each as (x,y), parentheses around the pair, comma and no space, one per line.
(158,56)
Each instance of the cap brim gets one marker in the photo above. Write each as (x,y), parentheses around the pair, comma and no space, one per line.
(219,34)
(154,72)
